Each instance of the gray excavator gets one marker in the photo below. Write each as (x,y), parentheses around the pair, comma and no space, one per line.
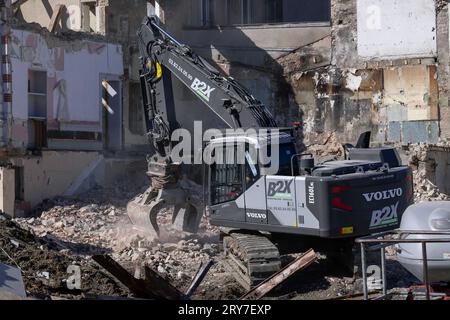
(259,199)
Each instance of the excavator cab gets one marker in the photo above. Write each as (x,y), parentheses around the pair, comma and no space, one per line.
(236,177)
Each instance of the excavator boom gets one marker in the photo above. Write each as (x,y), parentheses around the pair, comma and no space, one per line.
(229,105)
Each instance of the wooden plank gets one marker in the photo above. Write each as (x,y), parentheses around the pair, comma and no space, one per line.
(153,286)
(270,283)
(55,17)
(136,286)
(199,276)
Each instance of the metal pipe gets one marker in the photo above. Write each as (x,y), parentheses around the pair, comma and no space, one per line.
(374,237)
(363,270)
(403,241)
(383,271)
(201,273)
(425,269)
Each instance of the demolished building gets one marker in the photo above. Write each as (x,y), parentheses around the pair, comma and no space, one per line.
(63,112)
(335,67)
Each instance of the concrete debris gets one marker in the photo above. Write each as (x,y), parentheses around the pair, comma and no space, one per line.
(424,189)
(327,147)
(96,223)
(45,267)
(152,286)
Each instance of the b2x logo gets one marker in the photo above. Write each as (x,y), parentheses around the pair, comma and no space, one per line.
(280,189)
(384,217)
(202,89)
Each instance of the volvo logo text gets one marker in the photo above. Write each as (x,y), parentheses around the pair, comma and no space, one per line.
(383,195)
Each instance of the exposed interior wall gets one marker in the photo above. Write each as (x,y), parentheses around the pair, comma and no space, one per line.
(123,19)
(368,71)
(364,86)
(41,12)
(74,72)
(47,176)
(372,83)
(247,53)
(117,20)
(396,28)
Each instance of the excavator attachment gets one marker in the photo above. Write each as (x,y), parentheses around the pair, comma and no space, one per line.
(144,209)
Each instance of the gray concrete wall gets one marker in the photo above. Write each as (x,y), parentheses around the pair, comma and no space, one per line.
(7,190)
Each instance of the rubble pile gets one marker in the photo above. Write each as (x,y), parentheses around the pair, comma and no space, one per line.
(86,224)
(64,231)
(44,266)
(77,223)
(96,223)
(327,148)
(424,189)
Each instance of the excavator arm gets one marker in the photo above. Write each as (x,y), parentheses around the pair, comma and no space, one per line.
(230,105)
(163,56)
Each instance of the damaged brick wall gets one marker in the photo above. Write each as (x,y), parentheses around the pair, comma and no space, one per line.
(117,21)
(389,88)
(443,66)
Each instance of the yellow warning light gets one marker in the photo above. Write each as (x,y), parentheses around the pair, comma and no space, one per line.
(347,230)
(158,70)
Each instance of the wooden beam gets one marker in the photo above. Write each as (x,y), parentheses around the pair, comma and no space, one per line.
(18,3)
(136,286)
(55,17)
(270,283)
(200,275)
(153,286)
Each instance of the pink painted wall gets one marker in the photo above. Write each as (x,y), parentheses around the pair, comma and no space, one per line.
(74,71)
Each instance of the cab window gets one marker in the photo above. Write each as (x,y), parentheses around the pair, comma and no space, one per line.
(226,178)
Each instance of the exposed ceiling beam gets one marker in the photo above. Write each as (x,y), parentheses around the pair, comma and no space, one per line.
(17,3)
(55,17)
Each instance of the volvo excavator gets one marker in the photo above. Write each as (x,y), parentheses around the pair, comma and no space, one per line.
(254,199)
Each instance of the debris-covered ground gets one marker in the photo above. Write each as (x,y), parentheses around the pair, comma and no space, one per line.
(96,223)
(68,231)
(44,265)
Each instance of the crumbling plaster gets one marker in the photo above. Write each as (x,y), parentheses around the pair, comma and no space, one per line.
(117,21)
(49,175)
(397,96)
(73,79)
(41,12)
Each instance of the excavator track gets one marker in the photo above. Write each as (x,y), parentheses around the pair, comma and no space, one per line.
(250,258)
